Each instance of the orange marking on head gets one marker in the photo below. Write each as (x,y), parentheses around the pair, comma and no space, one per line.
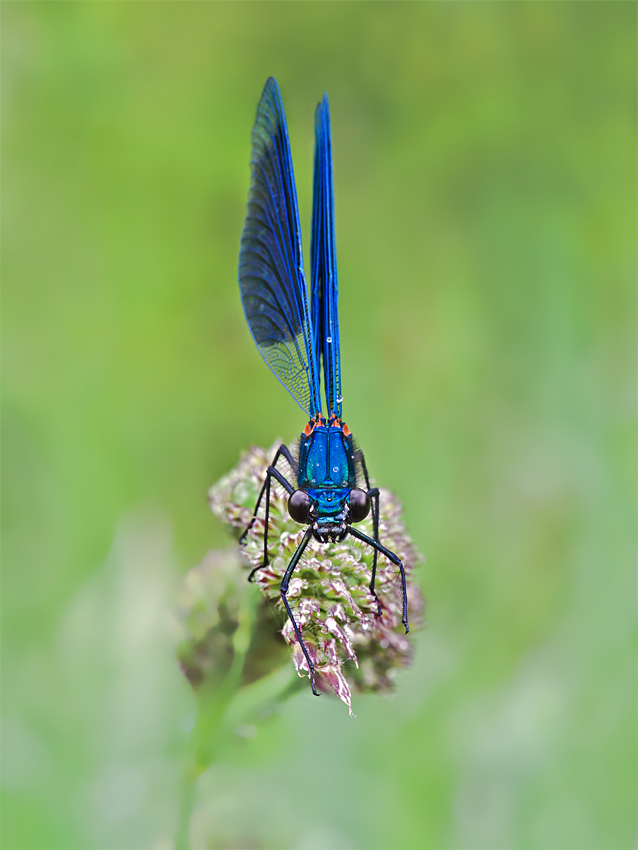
(309,429)
(346,430)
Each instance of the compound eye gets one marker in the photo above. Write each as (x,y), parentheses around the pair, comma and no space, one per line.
(359,505)
(299,506)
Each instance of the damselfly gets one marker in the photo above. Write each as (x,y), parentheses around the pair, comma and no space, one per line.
(333,487)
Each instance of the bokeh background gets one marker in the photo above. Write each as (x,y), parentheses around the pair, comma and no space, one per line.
(485,181)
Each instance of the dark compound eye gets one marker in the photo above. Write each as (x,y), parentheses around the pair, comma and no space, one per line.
(299,506)
(359,505)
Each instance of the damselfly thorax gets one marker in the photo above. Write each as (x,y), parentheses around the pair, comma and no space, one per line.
(327,496)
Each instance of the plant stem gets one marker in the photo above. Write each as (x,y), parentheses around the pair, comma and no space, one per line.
(207,737)
(186,806)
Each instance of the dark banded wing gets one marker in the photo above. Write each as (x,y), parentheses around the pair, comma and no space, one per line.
(323,259)
(271,277)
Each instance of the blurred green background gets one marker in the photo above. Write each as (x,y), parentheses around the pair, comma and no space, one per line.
(485,176)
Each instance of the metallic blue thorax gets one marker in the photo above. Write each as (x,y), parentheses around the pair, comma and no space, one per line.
(327,470)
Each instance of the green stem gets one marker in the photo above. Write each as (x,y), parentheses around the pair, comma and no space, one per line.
(186,806)
(206,737)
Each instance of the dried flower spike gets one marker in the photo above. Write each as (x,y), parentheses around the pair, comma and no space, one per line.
(349,644)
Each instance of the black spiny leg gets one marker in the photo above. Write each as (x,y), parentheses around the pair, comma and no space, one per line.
(395,560)
(373,493)
(284,595)
(271,472)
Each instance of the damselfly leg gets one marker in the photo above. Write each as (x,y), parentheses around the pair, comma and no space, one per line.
(284,595)
(392,557)
(373,493)
(271,472)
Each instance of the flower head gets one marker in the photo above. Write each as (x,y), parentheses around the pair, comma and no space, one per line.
(349,644)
